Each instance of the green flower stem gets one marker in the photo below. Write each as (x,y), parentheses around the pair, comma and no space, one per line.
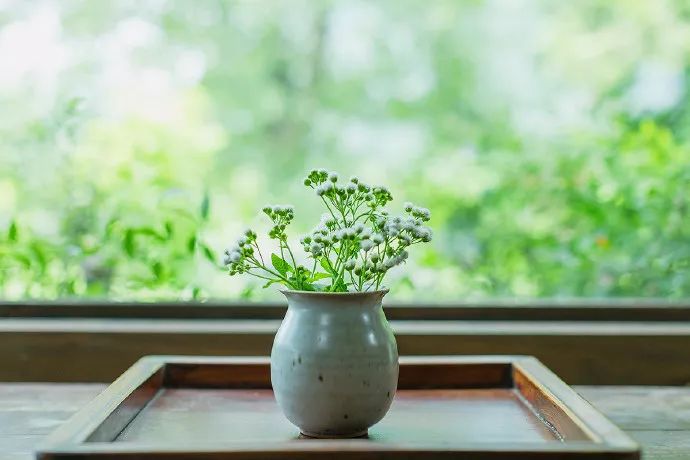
(379,278)
(341,209)
(364,214)
(268,270)
(340,264)
(331,211)
(292,256)
(262,277)
(259,251)
(361,275)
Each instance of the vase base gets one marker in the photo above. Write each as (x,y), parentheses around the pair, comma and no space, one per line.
(359,434)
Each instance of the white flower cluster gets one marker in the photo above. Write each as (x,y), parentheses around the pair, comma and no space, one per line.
(354,193)
(281,216)
(408,229)
(328,235)
(354,245)
(236,256)
(371,250)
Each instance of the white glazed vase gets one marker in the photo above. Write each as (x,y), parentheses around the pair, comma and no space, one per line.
(334,363)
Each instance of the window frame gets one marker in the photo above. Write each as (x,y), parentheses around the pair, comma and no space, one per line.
(585,341)
(584,309)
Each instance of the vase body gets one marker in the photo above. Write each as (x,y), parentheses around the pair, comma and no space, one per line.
(334,363)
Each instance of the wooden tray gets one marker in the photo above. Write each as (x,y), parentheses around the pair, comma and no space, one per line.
(483,407)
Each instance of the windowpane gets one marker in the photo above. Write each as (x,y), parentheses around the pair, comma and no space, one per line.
(549,139)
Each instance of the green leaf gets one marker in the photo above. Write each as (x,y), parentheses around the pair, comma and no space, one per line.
(23,260)
(39,254)
(280,264)
(186,214)
(407,282)
(191,244)
(205,206)
(319,276)
(128,242)
(72,106)
(148,231)
(340,286)
(208,253)
(326,265)
(168,229)
(111,226)
(157,269)
(269,283)
(12,232)
(247,293)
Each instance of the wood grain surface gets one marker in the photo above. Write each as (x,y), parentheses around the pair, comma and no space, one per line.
(657,417)
(473,407)
(184,418)
(99,350)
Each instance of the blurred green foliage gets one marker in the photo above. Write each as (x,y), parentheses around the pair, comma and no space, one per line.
(551,140)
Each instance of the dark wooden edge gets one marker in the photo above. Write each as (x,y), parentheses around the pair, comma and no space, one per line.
(535,396)
(591,353)
(182,372)
(102,419)
(415,373)
(355,450)
(485,310)
(89,432)
(447,374)
(565,410)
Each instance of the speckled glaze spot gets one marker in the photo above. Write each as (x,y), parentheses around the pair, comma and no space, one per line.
(345,341)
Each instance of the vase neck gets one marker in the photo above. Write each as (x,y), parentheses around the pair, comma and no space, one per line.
(321,300)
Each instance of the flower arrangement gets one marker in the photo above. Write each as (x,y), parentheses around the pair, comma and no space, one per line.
(352,249)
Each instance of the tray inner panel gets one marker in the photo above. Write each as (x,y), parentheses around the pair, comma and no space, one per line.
(183,416)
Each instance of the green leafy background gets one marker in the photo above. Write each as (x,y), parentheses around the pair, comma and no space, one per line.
(549,139)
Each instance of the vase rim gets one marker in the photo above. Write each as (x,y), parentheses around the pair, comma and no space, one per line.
(382,292)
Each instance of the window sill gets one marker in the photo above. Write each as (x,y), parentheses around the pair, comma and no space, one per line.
(581,352)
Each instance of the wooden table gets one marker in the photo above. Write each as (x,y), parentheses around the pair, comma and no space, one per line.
(657,417)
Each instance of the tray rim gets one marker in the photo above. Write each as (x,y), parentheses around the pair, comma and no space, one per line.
(72,437)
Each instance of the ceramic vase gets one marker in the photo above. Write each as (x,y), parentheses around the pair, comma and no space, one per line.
(334,363)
